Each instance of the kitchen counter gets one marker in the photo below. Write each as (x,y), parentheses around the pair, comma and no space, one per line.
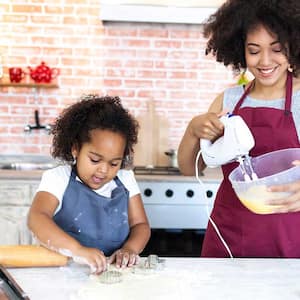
(19,174)
(191,278)
(210,174)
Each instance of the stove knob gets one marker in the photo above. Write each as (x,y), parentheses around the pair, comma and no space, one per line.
(148,192)
(190,193)
(209,194)
(169,193)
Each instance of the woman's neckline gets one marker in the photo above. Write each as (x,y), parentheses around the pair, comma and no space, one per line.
(243,87)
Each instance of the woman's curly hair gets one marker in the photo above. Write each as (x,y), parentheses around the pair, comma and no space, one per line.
(227,29)
(74,125)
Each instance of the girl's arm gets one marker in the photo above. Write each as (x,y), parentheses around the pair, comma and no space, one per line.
(138,237)
(40,222)
(206,126)
(44,228)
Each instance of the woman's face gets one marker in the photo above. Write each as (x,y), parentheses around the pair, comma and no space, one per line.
(99,160)
(265,57)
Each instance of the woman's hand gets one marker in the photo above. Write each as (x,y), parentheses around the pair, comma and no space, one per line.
(290,203)
(207,126)
(92,257)
(124,258)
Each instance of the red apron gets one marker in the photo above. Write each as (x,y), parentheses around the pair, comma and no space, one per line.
(248,234)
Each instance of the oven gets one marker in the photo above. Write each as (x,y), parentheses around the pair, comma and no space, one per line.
(177,209)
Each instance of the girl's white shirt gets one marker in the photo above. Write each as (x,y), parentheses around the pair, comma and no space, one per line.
(55,182)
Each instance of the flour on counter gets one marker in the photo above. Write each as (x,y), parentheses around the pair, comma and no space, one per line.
(158,284)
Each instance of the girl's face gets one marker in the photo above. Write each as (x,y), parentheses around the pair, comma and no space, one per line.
(99,160)
(265,57)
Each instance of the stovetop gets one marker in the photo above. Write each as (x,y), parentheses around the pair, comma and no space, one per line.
(157,170)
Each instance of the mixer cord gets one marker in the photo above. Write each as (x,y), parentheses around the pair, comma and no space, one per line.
(207,203)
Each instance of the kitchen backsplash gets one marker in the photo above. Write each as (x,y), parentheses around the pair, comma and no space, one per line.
(137,61)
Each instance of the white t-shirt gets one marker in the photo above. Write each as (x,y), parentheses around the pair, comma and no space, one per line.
(55,181)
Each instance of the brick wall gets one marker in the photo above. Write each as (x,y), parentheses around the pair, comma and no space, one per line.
(138,62)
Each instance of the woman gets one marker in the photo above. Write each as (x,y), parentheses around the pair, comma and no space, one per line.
(263,37)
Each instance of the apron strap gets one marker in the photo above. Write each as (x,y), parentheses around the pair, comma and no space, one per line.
(246,92)
(288,95)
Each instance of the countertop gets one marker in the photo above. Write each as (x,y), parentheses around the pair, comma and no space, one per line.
(182,278)
(210,175)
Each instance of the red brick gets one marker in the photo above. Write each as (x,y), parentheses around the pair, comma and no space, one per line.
(138,83)
(167,44)
(122,32)
(138,63)
(30,9)
(154,32)
(151,74)
(9,18)
(135,43)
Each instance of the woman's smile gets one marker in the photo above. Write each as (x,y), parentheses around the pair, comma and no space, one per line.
(267,71)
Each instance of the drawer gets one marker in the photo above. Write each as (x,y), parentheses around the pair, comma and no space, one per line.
(13,226)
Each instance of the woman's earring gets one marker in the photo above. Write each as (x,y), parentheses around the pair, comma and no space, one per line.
(290,68)
(74,161)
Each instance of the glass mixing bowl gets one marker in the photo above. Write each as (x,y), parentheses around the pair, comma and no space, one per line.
(272,168)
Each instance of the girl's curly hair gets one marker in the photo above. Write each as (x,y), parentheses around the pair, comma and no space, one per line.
(75,123)
(227,29)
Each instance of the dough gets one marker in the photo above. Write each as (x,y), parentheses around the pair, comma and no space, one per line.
(155,284)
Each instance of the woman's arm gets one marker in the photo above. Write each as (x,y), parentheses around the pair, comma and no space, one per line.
(205,126)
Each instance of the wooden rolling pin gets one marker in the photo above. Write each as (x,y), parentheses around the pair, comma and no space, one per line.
(30,256)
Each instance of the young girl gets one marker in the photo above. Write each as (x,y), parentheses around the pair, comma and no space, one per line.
(264,37)
(91,207)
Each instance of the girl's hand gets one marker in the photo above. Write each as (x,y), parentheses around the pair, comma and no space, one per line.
(124,258)
(92,257)
(290,203)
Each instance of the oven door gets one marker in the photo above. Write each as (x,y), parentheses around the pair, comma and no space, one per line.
(178,213)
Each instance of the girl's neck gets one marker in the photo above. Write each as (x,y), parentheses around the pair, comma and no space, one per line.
(269,92)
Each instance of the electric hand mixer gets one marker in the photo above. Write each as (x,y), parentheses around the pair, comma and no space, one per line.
(234,145)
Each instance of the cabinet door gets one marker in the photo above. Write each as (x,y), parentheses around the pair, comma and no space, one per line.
(13,227)
(15,193)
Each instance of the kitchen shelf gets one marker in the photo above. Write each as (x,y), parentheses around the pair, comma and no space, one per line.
(29,85)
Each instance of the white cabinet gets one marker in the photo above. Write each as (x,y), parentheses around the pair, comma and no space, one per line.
(15,199)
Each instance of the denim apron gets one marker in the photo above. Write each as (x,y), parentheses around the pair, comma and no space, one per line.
(248,234)
(94,220)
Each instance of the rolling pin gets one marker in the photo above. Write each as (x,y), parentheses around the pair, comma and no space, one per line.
(30,256)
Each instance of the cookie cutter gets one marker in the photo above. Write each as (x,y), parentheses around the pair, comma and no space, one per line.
(151,264)
(110,277)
